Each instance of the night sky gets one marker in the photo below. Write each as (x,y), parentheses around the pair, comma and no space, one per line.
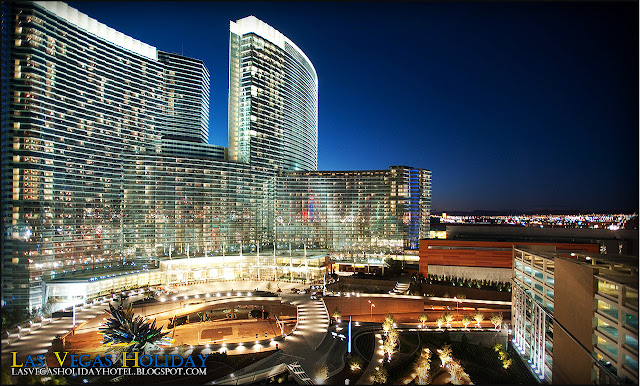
(512,106)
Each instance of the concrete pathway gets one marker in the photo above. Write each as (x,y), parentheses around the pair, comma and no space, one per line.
(39,339)
(376,360)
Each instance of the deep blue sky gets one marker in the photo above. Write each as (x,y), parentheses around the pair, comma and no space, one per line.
(510,105)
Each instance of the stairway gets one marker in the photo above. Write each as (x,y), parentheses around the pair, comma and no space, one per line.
(400,289)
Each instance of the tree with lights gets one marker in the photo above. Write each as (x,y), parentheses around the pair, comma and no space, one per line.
(448,317)
(322,372)
(423,367)
(390,343)
(388,324)
(444,354)
(496,320)
(457,372)
(380,375)
(440,322)
(423,318)
(478,317)
(355,363)
(466,320)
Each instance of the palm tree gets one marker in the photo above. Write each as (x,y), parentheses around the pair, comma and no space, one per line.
(125,333)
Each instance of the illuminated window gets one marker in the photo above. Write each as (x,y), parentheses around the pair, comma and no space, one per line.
(608,309)
(608,289)
(607,328)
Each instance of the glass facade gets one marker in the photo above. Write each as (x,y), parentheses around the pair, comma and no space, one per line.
(616,343)
(105,165)
(532,331)
(273,99)
(615,326)
(186,98)
(372,211)
(532,310)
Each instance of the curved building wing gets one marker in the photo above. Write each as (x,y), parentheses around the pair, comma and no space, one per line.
(273,99)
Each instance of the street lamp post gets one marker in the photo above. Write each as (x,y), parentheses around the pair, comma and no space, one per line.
(371,309)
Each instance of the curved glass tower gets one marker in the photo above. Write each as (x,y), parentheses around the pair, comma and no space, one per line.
(273,99)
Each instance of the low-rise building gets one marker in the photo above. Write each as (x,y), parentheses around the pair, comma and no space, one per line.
(297,267)
(478,260)
(575,315)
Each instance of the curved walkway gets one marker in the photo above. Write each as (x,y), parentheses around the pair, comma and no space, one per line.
(308,345)
(376,360)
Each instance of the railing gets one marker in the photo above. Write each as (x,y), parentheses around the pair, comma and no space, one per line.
(298,373)
(252,377)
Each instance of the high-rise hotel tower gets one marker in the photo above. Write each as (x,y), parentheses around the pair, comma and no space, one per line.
(106,167)
(273,99)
